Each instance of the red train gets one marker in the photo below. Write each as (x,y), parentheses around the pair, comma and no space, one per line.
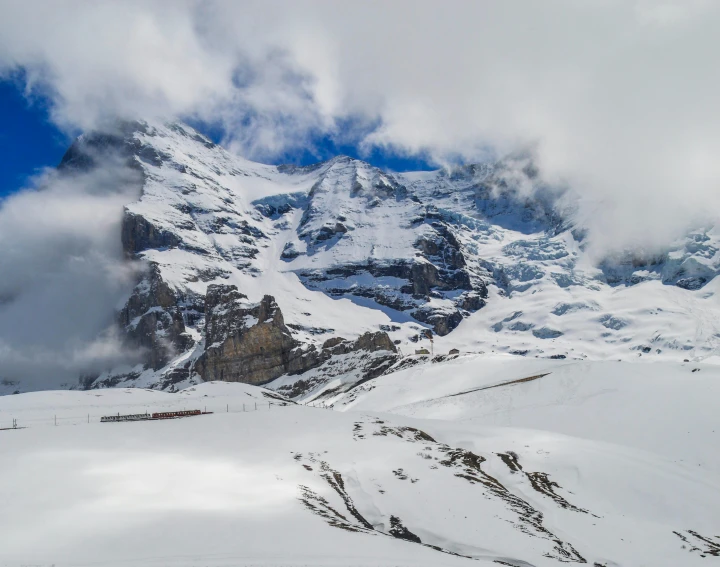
(174,414)
(147,416)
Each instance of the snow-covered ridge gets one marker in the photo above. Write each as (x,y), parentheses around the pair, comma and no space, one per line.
(484,256)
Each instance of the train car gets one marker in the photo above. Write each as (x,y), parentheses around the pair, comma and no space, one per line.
(132,417)
(174,414)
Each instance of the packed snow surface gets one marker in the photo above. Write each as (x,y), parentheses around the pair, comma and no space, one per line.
(473,460)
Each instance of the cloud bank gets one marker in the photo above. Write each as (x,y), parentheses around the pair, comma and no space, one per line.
(618,97)
(63,276)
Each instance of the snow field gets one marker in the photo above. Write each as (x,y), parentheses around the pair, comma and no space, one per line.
(555,479)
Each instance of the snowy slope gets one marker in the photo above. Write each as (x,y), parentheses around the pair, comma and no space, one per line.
(577,423)
(546,296)
(665,408)
(294,485)
(203,196)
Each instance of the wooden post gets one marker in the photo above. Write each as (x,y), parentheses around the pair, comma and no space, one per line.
(255,406)
(55,420)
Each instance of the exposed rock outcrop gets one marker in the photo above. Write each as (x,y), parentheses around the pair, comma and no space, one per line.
(443,322)
(152,321)
(424,281)
(344,363)
(246,342)
(139,234)
(118,143)
(369,341)
(249,342)
(346,220)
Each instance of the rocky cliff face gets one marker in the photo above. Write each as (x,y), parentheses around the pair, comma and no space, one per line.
(153,321)
(249,342)
(363,234)
(189,205)
(690,263)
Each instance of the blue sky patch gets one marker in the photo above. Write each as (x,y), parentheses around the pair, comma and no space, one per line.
(29,142)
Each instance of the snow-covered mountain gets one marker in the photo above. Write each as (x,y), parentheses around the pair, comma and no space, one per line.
(565,411)
(304,274)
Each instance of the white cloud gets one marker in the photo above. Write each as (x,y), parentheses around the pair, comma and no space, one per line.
(64,275)
(618,97)
(669,12)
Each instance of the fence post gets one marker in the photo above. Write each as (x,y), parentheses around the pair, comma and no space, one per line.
(56,421)
(227,408)
(243,407)
(268,405)
(88,418)
(255,406)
